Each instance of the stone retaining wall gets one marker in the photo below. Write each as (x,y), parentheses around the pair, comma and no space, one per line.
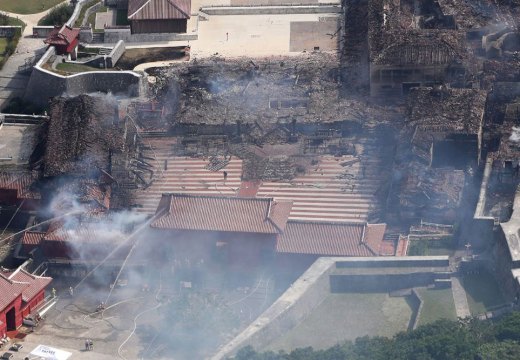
(268,10)
(116,54)
(45,84)
(113,35)
(42,31)
(297,302)
(417,306)
(10,31)
(306,293)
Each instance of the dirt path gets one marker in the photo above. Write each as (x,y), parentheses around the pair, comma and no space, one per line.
(13,83)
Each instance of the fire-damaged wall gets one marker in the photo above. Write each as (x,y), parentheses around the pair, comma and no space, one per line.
(45,84)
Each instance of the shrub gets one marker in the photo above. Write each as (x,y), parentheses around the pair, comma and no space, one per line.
(57,16)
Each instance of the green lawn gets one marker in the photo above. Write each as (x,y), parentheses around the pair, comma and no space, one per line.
(16,22)
(482,292)
(347,316)
(75,68)
(7,47)
(3,45)
(27,6)
(437,304)
(431,247)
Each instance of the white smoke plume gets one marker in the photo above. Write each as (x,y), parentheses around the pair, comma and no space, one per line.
(515,135)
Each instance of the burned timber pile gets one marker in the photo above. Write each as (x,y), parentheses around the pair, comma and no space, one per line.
(82,133)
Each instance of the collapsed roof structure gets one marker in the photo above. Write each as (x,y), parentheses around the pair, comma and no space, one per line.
(83,131)
(412,46)
(441,139)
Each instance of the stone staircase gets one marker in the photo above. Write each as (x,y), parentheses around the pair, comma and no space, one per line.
(98,37)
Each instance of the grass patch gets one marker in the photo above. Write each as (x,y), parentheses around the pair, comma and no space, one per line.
(122,18)
(15,22)
(431,247)
(81,15)
(7,48)
(27,6)
(437,304)
(75,68)
(482,292)
(133,57)
(347,316)
(3,45)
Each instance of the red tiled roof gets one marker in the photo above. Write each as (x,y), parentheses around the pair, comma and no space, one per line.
(9,291)
(33,284)
(374,234)
(159,9)
(249,188)
(328,239)
(62,36)
(89,232)
(21,182)
(32,237)
(213,213)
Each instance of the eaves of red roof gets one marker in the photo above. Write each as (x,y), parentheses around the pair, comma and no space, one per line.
(32,237)
(85,232)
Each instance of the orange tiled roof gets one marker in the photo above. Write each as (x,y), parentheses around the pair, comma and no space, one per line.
(330,239)
(215,213)
(33,284)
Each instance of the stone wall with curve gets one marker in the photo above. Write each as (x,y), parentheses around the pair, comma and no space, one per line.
(45,84)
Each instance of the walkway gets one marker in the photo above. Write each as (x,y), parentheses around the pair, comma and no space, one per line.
(460,299)
(13,83)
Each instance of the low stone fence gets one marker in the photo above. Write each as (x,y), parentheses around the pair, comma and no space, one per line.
(42,31)
(77,11)
(45,84)
(86,35)
(89,11)
(116,54)
(272,10)
(10,31)
(416,302)
(113,35)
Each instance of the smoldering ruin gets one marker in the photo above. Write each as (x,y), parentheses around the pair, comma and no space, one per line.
(190,211)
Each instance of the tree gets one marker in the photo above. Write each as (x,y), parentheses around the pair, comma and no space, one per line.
(509,327)
(505,350)
(4,19)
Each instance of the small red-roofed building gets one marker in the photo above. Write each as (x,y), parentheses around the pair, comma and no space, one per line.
(20,294)
(65,40)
